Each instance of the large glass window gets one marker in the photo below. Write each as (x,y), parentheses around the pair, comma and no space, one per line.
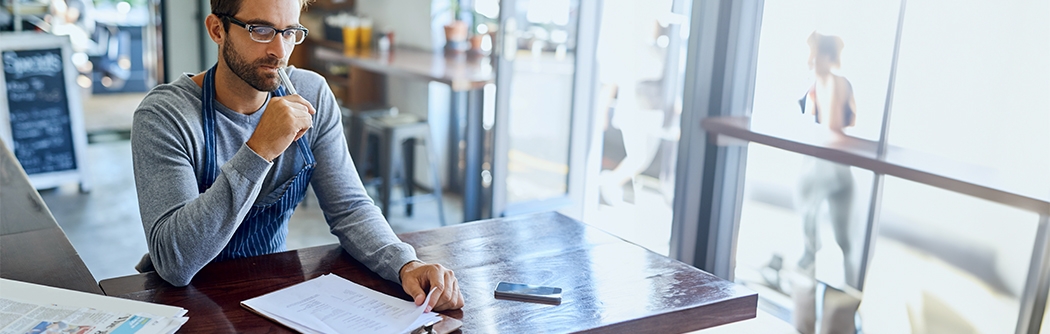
(946,262)
(972,86)
(827,247)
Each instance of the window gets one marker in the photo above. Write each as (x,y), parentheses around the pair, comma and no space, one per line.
(965,112)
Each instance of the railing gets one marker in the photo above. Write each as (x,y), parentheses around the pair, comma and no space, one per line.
(921,168)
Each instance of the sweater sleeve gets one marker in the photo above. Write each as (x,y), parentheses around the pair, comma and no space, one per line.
(351,214)
(185,229)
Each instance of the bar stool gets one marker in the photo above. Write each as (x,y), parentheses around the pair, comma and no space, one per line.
(397,135)
(353,126)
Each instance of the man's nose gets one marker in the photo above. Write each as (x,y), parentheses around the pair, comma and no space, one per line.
(280,46)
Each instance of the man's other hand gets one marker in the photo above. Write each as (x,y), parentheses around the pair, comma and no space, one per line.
(417,278)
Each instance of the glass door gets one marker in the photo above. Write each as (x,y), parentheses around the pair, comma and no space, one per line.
(545,74)
(641,50)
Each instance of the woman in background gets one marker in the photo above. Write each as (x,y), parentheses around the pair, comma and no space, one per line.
(830,101)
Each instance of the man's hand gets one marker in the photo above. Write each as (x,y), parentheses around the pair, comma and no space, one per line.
(417,278)
(285,120)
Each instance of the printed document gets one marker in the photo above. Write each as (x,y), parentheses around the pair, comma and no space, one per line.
(332,304)
(33,308)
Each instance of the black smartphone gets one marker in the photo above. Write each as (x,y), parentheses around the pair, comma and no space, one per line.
(528,293)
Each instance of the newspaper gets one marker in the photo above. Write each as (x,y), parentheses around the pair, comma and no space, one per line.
(17,317)
(33,308)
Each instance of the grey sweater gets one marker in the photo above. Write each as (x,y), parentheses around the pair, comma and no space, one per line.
(186,230)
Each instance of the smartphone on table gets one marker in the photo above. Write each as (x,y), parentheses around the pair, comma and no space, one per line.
(528,293)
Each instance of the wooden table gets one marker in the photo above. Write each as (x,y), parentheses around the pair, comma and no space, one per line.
(33,248)
(609,285)
(461,71)
(467,75)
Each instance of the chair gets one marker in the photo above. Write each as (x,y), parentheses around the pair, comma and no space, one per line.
(383,142)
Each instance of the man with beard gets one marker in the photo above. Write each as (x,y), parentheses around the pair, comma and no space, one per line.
(223,157)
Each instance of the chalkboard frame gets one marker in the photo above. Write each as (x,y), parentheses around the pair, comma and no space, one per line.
(25,41)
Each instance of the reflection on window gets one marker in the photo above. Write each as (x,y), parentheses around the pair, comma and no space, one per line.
(548,11)
(640,58)
(802,232)
(969,87)
(541,100)
(488,8)
(946,262)
(785,75)
(972,86)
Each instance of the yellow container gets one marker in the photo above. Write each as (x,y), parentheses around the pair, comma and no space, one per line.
(366,37)
(351,39)
(366,32)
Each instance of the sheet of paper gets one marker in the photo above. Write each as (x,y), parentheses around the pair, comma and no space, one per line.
(332,304)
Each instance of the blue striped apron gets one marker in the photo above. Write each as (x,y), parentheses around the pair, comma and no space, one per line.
(264,229)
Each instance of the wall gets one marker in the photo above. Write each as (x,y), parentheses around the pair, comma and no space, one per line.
(409,19)
(182,34)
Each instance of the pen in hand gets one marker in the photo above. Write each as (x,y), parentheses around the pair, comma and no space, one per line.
(287,83)
(289,91)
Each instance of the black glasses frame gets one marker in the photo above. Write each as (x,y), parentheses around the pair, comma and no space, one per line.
(255,35)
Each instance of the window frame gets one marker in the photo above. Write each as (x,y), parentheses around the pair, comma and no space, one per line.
(720,80)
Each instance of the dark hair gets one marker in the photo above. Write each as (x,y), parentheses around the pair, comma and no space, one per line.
(223,8)
(827,45)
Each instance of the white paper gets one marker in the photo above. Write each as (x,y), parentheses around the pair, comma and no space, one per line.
(332,304)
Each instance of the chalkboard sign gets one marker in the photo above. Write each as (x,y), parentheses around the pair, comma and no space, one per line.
(36,98)
(42,115)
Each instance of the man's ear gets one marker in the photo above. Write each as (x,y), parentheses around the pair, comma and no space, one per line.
(215,28)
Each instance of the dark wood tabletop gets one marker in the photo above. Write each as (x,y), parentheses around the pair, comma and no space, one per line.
(609,285)
(33,248)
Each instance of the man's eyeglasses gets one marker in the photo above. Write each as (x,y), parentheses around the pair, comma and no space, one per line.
(265,34)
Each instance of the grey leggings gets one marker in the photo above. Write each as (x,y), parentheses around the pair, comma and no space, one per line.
(822,181)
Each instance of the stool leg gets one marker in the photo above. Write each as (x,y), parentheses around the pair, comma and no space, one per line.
(374,142)
(410,173)
(353,138)
(366,159)
(358,155)
(386,169)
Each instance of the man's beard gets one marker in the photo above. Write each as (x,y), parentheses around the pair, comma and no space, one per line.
(249,72)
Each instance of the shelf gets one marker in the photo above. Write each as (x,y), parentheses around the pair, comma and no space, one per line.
(811,140)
